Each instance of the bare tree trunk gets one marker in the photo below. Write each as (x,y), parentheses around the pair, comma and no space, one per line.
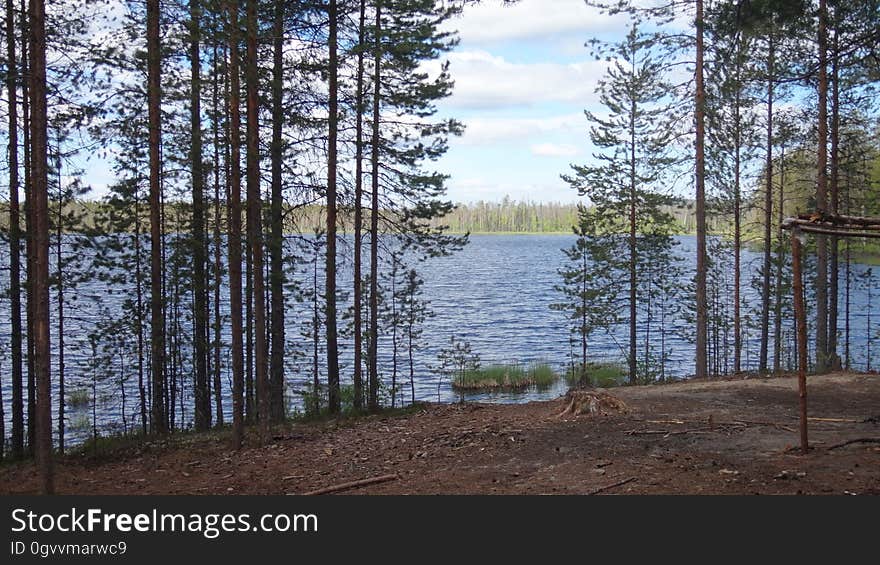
(276,246)
(373,400)
(234,236)
(59,282)
(199,251)
(254,218)
(822,197)
(330,287)
(358,214)
(40,191)
(29,237)
(780,261)
(737,216)
(218,275)
(834,251)
(700,181)
(250,405)
(14,241)
(768,212)
(157,327)
(633,258)
(139,301)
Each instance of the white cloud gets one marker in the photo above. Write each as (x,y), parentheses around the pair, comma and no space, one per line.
(554,150)
(489,131)
(487,81)
(489,22)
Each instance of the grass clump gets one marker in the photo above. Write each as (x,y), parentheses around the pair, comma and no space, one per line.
(603,375)
(79,398)
(506,377)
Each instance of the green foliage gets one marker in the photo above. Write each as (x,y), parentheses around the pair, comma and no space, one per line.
(588,288)
(603,375)
(454,361)
(540,375)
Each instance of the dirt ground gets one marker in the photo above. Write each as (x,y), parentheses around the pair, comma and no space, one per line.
(732,436)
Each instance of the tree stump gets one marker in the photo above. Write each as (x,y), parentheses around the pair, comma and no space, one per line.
(592,402)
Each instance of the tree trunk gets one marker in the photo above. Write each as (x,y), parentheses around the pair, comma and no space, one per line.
(276,279)
(737,215)
(218,275)
(254,219)
(330,287)
(14,241)
(768,213)
(633,204)
(250,405)
(780,262)
(373,401)
(234,236)
(700,182)
(139,301)
(29,226)
(59,282)
(358,214)
(822,197)
(199,251)
(157,322)
(834,251)
(40,191)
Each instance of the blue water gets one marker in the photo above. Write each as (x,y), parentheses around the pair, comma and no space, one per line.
(495,293)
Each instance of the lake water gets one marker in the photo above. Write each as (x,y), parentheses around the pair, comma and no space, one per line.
(495,293)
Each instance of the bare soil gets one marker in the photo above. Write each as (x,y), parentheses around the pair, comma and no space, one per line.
(731,436)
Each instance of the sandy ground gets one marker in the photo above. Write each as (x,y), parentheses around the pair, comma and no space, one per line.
(732,436)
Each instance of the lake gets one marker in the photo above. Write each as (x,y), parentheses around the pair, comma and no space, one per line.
(495,293)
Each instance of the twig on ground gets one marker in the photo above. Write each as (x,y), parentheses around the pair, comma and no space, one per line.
(852,441)
(609,487)
(352,485)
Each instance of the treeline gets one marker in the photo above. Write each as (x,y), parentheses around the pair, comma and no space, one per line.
(481,217)
(510,216)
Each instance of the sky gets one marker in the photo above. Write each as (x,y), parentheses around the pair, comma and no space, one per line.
(523,79)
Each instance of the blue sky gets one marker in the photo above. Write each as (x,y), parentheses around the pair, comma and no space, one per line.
(523,79)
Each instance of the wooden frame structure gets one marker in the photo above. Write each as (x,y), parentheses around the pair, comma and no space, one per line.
(820,224)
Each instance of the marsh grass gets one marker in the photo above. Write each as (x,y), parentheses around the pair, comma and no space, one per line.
(539,375)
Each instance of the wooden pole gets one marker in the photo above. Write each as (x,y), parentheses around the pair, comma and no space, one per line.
(801,318)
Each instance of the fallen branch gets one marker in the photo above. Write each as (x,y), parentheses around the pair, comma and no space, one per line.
(609,487)
(776,425)
(352,485)
(667,433)
(835,420)
(852,441)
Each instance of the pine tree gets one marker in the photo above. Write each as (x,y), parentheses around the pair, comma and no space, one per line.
(633,158)
(415,311)
(588,286)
